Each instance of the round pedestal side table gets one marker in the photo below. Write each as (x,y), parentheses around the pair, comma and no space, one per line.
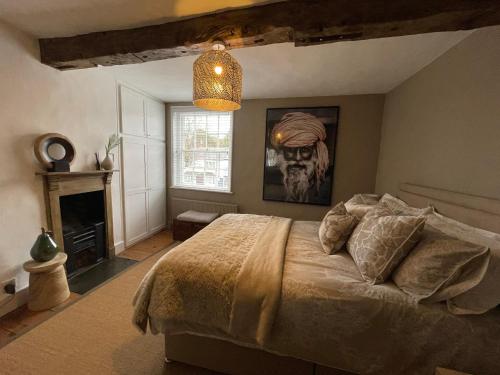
(48,283)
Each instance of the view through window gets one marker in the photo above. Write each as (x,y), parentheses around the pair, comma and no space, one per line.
(201,149)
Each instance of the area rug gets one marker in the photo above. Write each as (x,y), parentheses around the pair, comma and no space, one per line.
(94,336)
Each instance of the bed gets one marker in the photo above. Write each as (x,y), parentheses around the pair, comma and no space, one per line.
(255,294)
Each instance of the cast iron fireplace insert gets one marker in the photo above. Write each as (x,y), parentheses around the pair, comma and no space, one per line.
(84,230)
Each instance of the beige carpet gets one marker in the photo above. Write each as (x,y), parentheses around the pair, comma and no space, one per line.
(94,336)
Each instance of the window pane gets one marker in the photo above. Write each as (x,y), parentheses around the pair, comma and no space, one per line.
(201,142)
(213,124)
(200,178)
(212,140)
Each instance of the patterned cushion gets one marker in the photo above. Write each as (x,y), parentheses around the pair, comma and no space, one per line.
(382,240)
(336,227)
(360,204)
(441,267)
(400,207)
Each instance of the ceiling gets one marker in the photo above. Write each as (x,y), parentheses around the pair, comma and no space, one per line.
(53,18)
(279,70)
(282,70)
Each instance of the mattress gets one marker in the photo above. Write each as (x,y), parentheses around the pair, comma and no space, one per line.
(349,324)
(326,313)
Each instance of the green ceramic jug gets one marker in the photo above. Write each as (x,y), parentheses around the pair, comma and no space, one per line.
(45,248)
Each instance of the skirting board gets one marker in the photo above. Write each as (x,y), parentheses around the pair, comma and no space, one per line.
(19,299)
(119,247)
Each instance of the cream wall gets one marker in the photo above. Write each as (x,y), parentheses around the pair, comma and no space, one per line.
(441,127)
(355,160)
(37,99)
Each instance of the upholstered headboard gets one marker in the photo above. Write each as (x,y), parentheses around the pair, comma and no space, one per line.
(474,210)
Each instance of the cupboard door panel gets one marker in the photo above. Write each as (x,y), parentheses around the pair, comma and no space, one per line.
(157,209)
(156,165)
(155,119)
(136,216)
(132,112)
(134,164)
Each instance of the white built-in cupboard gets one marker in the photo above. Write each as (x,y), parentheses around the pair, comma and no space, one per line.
(143,164)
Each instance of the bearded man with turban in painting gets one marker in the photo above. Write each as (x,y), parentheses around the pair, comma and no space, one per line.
(302,155)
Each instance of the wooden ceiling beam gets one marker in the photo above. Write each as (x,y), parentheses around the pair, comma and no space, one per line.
(304,22)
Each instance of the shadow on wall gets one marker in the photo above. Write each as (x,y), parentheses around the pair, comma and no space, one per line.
(21,168)
(27,161)
(23,209)
(28,43)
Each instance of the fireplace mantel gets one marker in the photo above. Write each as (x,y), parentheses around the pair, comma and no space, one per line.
(58,184)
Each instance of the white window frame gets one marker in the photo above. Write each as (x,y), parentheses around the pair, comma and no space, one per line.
(173,163)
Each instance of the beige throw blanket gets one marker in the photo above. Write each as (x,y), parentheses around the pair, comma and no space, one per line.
(227,277)
(258,287)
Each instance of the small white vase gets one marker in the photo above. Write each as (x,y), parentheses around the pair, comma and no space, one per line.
(107,163)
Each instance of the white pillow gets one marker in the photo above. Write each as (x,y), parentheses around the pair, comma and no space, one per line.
(401,207)
(485,295)
(441,267)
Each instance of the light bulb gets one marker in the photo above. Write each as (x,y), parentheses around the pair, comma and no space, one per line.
(218,70)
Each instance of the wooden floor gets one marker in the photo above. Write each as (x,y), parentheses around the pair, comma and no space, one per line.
(21,320)
(149,246)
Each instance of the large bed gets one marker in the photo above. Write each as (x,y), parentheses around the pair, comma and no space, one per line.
(256,294)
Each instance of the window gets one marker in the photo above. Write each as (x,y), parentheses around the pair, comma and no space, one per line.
(201,149)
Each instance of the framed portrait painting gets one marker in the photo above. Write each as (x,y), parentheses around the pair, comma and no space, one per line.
(300,154)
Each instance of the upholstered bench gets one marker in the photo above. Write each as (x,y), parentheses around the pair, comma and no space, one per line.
(190,222)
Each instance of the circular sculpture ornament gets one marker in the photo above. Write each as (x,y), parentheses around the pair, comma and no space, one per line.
(54,147)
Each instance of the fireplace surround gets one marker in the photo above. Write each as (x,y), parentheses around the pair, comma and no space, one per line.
(79,213)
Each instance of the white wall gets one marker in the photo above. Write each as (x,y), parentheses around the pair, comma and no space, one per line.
(37,99)
(441,127)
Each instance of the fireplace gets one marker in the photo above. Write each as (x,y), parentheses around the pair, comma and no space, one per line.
(79,213)
(82,217)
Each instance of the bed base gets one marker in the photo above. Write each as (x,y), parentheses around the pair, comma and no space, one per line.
(229,358)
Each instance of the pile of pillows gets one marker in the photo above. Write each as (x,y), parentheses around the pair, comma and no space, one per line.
(428,256)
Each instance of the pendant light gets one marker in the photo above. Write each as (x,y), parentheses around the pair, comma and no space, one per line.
(217,80)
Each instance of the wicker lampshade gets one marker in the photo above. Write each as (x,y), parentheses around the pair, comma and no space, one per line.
(217,81)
